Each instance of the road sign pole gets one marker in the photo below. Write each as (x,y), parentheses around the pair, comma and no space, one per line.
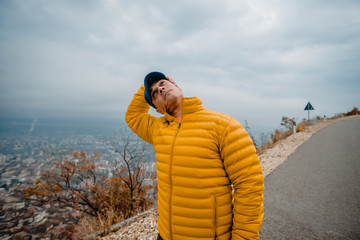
(309,107)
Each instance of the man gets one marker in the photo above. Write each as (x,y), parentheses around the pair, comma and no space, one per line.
(210,183)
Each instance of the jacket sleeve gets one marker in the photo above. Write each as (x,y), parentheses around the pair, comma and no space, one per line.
(245,173)
(138,118)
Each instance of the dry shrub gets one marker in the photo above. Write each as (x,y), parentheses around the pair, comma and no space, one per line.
(73,182)
(355,111)
(274,138)
(88,224)
(267,145)
(281,135)
(301,127)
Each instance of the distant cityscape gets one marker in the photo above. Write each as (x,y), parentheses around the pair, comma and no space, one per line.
(22,161)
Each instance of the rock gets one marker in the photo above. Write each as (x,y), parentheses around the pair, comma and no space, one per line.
(144,227)
(40,216)
(25,228)
(20,236)
(28,214)
(15,229)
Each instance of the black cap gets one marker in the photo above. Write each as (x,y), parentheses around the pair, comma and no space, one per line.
(149,80)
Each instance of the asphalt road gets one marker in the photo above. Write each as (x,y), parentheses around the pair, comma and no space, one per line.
(315,194)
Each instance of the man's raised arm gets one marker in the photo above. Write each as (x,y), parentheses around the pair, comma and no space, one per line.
(138,118)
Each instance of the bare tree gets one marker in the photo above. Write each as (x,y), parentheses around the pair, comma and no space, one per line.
(247,128)
(287,123)
(263,139)
(73,179)
(131,156)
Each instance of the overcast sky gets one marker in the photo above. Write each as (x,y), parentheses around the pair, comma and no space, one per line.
(254,60)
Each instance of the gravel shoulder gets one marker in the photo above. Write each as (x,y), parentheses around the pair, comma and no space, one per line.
(145,226)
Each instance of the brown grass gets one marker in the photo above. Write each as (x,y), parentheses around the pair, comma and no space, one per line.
(279,135)
(88,224)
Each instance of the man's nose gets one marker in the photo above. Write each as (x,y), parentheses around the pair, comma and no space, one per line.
(162,89)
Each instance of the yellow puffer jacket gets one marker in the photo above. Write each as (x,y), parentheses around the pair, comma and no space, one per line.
(197,162)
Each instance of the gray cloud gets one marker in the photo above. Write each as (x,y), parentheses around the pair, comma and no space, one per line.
(253,60)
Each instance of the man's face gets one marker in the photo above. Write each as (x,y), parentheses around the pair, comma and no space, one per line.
(165,93)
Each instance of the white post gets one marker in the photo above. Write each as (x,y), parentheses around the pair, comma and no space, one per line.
(293,123)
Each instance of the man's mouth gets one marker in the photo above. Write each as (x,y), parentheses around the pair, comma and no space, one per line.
(166,93)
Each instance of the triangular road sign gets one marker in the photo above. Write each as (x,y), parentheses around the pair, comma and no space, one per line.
(308,107)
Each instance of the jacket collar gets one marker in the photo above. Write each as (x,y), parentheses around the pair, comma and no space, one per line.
(191,105)
(188,105)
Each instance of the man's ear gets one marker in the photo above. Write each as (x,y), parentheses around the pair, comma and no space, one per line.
(173,82)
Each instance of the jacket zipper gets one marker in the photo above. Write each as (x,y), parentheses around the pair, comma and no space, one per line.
(170,180)
(214,219)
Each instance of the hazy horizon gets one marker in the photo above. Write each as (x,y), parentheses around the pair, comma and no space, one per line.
(256,61)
